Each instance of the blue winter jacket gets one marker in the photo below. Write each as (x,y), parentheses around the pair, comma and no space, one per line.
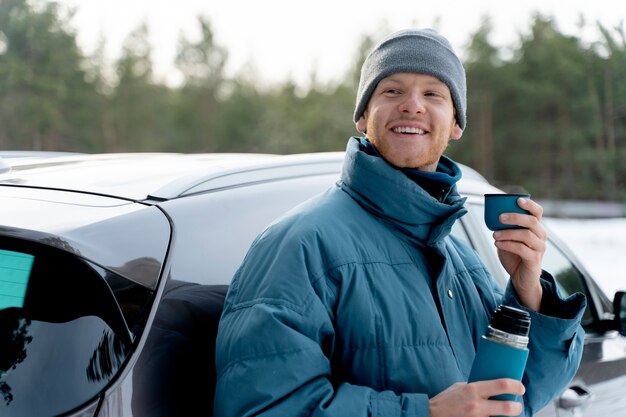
(360,303)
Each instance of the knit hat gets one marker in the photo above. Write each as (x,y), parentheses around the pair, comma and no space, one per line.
(420,51)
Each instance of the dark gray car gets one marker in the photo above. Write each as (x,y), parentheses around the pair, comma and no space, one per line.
(113,270)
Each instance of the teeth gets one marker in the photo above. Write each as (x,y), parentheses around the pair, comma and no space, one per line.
(408,130)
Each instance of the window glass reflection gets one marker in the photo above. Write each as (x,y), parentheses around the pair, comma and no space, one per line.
(71,363)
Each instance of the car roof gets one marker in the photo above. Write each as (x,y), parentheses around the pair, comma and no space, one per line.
(144,176)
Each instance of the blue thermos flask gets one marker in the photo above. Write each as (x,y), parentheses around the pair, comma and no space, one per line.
(502,351)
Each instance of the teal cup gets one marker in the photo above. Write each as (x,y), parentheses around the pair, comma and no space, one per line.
(496,204)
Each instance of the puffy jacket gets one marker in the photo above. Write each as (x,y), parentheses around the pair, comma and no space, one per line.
(360,303)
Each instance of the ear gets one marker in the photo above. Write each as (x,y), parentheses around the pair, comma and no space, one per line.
(361,124)
(456,132)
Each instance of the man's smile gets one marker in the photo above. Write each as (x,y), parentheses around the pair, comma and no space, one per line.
(406,129)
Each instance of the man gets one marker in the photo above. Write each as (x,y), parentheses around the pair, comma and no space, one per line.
(360,302)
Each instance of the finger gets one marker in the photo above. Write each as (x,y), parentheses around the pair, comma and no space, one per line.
(522,236)
(504,408)
(526,253)
(493,387)
(531,206)
(528,222)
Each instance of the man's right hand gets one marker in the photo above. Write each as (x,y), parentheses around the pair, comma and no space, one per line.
(472,400)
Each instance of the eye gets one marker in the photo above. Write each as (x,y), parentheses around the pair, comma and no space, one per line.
(434,93)
(392,91)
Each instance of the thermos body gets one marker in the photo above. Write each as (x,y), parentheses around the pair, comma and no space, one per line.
(495,359)
(502,351)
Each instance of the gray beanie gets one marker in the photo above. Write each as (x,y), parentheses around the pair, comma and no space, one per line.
(420,51)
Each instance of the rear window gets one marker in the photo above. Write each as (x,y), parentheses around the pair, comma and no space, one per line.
(66,327)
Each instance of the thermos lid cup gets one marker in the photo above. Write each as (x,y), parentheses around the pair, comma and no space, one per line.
(496,204)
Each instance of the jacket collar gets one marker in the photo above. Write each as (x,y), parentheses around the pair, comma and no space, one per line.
(437,184)
(393,197)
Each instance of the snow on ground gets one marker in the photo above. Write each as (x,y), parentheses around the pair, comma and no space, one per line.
(601,246)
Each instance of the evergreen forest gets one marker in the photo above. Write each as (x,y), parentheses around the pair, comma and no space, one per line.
(547,113)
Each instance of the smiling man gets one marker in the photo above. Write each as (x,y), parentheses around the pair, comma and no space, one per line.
(360,303)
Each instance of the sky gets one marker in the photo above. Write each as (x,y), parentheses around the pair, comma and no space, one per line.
(291,39)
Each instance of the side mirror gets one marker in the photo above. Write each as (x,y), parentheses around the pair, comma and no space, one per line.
(619,309)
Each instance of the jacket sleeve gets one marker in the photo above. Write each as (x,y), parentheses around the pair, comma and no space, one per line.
(275,341)
(556,342)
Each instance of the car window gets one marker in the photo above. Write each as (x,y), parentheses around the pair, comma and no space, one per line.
(568,277)
(61,324)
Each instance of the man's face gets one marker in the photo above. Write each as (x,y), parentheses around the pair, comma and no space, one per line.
(410,120)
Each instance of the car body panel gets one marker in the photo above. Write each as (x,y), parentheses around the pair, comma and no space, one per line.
(83,224)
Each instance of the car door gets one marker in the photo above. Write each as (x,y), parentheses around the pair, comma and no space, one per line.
(598,386)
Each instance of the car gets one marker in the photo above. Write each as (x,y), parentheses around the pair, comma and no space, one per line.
(114,268)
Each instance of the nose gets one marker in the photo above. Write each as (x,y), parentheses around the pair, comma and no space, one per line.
(413,103)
